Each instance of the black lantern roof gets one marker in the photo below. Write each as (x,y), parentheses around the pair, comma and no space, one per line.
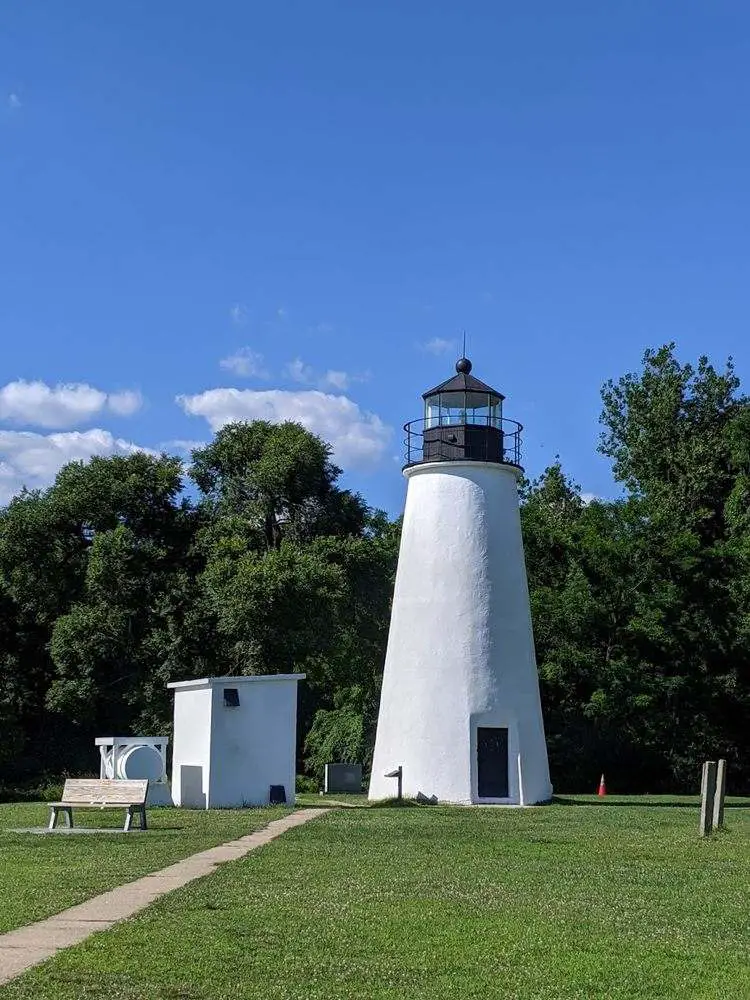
(463,381)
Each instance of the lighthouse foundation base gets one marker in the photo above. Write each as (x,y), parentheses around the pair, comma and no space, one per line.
(494,772)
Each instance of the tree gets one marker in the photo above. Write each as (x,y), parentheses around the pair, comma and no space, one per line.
(344,726)
(275,481)
(113,582)
(42,560)
(98,575)
(629,642)
(671,433)
(125,637)
(298,572)
(678,436)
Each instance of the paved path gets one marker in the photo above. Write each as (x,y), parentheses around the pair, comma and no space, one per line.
(27,946)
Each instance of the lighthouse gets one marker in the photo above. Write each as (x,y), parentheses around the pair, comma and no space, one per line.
(460,715)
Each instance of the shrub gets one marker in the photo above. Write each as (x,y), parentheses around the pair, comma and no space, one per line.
(337,735)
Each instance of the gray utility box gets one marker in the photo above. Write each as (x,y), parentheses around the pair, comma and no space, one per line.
(343,778)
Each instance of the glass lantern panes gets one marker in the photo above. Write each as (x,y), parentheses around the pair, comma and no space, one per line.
(463,407)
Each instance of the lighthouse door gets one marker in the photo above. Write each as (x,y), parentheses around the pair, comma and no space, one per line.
(492,763)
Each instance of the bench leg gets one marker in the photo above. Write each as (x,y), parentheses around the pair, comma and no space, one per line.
(143,818)
(128,819)
(52,818)
(68,816)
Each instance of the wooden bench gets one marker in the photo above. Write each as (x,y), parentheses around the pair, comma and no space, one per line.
(98,793)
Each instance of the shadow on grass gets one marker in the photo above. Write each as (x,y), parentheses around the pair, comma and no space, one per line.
(640,802)
(395,804)
(334,801)
(90,830)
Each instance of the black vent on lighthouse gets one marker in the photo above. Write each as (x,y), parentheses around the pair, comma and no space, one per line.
(463,421)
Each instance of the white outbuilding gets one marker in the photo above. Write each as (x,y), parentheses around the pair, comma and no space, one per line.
(460,711)
(234,741)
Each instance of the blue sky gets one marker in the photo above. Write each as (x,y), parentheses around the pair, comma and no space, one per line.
(305,203)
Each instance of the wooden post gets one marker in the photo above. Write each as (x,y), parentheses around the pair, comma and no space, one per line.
(721,782)
(398,773)
(708,792)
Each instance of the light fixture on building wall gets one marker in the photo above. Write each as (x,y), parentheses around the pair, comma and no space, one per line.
(231,698)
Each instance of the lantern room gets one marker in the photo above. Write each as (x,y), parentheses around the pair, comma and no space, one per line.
(463,419)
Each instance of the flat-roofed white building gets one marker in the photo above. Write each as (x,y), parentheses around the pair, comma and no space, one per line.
(234,738)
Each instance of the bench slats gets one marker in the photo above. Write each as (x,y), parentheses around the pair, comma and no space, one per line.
(100,791)
(95,803)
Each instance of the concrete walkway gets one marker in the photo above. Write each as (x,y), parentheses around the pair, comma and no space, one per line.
(30,945)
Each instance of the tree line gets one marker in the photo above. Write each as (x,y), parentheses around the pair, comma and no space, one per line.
(117,579)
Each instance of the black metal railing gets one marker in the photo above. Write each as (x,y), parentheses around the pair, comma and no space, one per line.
(478,439)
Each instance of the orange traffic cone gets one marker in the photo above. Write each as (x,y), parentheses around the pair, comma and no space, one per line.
(602,787)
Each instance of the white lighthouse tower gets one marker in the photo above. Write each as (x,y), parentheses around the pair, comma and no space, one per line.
(460,712)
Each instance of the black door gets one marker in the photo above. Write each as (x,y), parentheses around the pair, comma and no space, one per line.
(492,763)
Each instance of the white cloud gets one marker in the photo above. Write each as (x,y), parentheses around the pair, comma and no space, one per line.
(126,403)
(358,438)
(438,345)
(587,498)
(282,313)
(41,405)
(32,460)
(14,101)
(239,314)
(300,372)
(305,374)
(245,362)
(336,380)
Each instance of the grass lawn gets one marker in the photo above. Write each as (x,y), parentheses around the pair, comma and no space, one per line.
(617,900)
(41,875)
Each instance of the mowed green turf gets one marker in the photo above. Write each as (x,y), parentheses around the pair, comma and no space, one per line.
(615,900)
(41,875)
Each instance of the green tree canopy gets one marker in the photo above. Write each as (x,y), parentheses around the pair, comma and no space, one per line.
(116,580)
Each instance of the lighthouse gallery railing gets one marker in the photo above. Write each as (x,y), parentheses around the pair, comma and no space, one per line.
(493,439)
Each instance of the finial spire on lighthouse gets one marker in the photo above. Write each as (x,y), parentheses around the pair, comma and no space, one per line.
(460,712)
